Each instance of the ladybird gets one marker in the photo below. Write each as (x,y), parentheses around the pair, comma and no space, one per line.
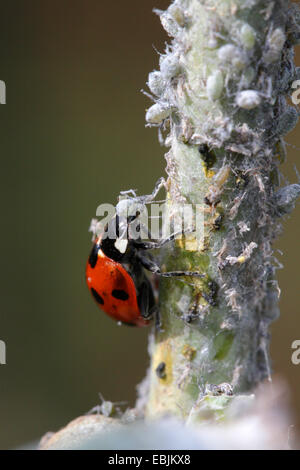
(118,283)
(115,270)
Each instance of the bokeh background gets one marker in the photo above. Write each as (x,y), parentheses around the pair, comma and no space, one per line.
(73,136)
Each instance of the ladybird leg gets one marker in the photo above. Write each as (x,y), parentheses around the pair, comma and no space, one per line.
(148,264)
(158,321)
(159,244)
(143,300)
(154,268)
(146,300)
(154,245)
(181,273)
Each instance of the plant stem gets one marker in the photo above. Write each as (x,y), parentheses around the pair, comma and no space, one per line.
(220,95)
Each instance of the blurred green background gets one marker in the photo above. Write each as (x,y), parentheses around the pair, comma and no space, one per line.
(73,136)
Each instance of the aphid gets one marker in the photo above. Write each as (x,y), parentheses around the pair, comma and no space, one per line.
(161,370)
(177,13)
(213,196)
(170,66)
(115,269)
(248,99)
(215,85)
(235,206)
(274,46)
(247,36)
(232,55)
(170,22)
(158,112)
(156,83)
(244,256)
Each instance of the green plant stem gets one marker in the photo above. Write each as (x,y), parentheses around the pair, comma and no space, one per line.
(220,94)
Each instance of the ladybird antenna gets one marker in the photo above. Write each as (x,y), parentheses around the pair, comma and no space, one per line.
(160,200)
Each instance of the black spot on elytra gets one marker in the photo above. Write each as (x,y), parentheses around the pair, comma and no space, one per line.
(120,294)
(94,255)
(97,296)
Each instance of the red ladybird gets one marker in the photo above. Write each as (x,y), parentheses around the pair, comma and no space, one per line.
(115,270)
(125,294)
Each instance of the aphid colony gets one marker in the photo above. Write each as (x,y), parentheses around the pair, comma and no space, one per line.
(232,75)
